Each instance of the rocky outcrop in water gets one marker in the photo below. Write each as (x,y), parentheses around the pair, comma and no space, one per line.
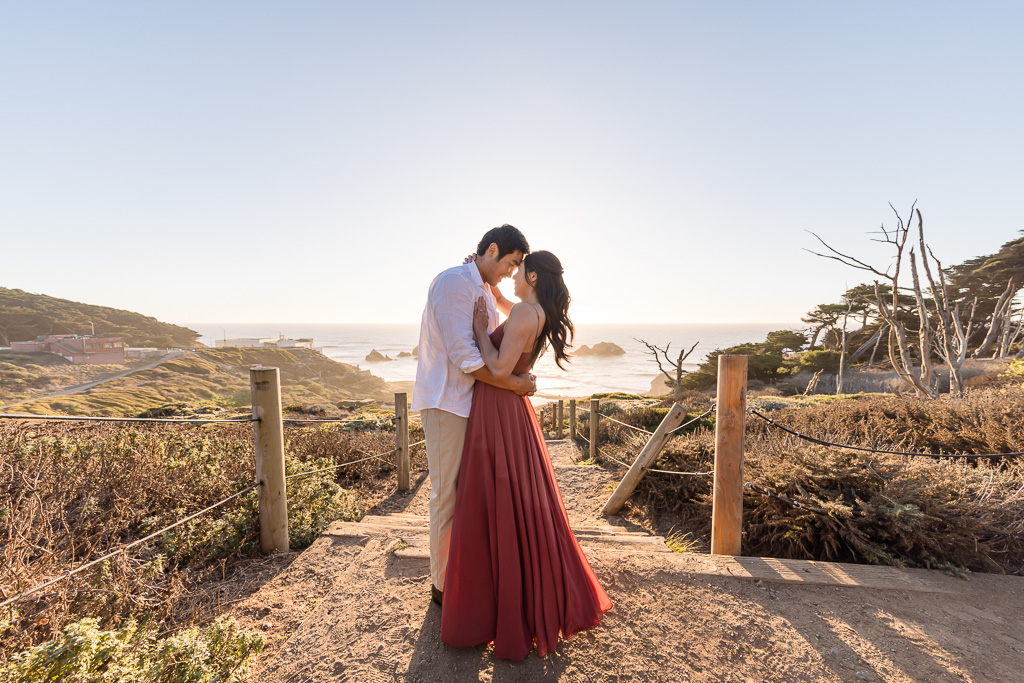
(376,356)
(601,349)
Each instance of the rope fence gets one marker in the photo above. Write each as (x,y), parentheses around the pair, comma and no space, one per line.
(88,418)
(288,420)
(646,469)
(344,464)
(694,420)
(131,545)
(351,462)
(822,442)
(268,450)
(269,453)
(612,419)
(650,433)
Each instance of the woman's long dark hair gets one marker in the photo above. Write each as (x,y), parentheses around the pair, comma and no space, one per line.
(553,297)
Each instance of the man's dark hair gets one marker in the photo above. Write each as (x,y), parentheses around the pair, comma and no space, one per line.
(507,237)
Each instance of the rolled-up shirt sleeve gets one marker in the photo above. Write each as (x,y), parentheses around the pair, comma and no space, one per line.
(455,320)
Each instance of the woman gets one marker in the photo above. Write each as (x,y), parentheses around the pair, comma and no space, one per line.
(516,575)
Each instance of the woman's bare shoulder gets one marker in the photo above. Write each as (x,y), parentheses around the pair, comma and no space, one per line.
(527,311)
(528,317)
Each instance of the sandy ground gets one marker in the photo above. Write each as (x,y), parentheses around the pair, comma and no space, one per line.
(349,609)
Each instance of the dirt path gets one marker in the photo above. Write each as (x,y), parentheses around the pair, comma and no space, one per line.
(348,608)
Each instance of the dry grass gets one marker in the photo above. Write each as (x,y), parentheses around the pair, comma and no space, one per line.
(74,491)
(864,507)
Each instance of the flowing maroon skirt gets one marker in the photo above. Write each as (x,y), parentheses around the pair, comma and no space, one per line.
(516,575)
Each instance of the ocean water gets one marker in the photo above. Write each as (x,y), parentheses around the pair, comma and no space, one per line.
(630,373)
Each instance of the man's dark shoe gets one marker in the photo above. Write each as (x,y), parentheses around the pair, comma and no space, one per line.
(436,595)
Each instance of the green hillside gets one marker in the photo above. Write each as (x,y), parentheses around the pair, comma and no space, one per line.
(25,316)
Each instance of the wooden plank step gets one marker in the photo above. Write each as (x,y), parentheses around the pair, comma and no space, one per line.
(822,573)
(414,553)
(622,540)
(597,538)
(417,541)
(404,515)
(369,527)
(615,531)
(647,542)
(392,520)
(406,521)
(422,552)
(623,548)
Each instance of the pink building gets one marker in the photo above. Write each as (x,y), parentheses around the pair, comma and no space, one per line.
(77,349)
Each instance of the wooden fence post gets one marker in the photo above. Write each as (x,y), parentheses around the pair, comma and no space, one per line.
(572,419)
(727,498)
(595,404)
(648,455)
(402,439)
(561,413)
(268,438)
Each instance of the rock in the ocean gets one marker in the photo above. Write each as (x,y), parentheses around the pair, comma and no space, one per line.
(376,356)
(659,387)
(404,354)
(602,349)
(416,352)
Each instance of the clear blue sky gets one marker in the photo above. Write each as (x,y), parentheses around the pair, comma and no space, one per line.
(322,161)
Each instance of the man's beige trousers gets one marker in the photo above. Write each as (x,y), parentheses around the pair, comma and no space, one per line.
(445,434)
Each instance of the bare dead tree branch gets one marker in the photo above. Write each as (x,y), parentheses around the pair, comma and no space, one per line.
(924,379)
(676,365)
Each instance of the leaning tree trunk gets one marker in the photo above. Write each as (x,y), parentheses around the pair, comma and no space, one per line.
(814,337)
(874,350)
(842,354)
(813,383)
(1008,336)
(863,348)
(997,319)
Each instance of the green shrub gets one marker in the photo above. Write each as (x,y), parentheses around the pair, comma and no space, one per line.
(763,360)
(817,360)
(314,501)
(787,339)
(699,379)
(220,652)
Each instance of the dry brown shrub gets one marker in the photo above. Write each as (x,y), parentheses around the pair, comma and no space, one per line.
(71,492)
(867,507)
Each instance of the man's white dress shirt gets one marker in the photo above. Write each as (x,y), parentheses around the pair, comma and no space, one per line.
(448,350)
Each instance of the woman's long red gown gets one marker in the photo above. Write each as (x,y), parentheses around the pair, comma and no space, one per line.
(516,575)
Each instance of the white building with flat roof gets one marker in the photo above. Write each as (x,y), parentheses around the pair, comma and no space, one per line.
(280,342)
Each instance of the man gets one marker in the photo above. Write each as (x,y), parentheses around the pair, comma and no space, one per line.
(449,364)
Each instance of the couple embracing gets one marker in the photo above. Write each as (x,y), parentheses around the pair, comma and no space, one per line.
(504,563)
